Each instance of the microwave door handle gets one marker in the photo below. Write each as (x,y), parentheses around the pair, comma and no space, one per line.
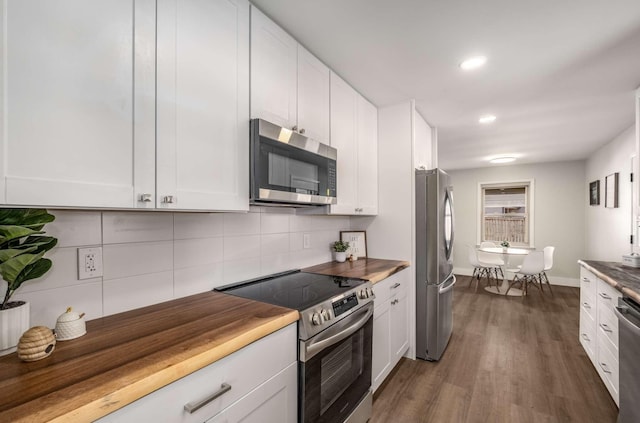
(303,179)
(317,346)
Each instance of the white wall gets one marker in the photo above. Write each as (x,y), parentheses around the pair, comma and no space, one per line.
(560,195)
(151,257)
(608,229)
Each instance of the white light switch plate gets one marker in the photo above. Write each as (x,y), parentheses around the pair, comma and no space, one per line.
(89,262)
(306,241)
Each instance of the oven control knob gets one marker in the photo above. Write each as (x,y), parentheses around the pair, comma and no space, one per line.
(369,292)
(325,315)
(363,294)
(316,319)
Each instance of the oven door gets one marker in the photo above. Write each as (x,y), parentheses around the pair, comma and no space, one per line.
(335,369)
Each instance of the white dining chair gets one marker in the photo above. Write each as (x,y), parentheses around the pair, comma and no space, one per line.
(480,269)
(548,264)
(494,259)
(532,266)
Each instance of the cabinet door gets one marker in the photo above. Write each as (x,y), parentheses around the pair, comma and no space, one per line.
(275,401)
(381,349)
(273,72)
(72,130)
(422,144)
(399,325)
(344,100)
(367,191)
(313,96)
(203,110)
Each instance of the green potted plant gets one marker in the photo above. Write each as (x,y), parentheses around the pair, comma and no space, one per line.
(505,245)
(340,247)
(22,247)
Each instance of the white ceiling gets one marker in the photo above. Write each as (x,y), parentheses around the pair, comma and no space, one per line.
(560,75)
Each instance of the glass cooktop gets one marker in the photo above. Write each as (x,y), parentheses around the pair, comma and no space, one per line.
(293,289)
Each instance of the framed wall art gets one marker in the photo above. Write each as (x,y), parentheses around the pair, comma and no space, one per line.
(594,193)
(357,242)
(611,190)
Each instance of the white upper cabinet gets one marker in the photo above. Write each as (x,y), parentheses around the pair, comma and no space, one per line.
(354,133)
(289,86)
(78,102)
(273,72)
(422,143)
(313,96)
(203,104)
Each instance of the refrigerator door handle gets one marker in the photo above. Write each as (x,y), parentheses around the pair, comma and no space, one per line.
(447,288)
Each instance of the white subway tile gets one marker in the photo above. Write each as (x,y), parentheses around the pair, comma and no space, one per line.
(63,272)
(47,305)
(120,227)
(123,260)
(275,263)
(75,228)
(300,223)
(274,244)
(272,223)
(197,252)
(322,240)
(137,291)
(241,247)
(193,280)
(306,258)
(296,241)
(198,225)
(241,224)
(240,270)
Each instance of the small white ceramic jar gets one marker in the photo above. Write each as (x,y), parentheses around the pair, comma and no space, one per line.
(70,325)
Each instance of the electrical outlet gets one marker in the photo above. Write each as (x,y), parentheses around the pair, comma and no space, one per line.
(89,263)
(306,241)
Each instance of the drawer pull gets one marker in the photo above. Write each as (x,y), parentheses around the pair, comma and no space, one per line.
(192,407)
(585,337)
(586,280)
(394,302)
(605,368)
(605,296)
(605,327)
(586,305)
(395,285)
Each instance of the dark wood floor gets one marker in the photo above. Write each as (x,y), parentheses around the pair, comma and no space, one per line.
(509,360)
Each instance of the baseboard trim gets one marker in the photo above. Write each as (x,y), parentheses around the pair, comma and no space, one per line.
(553,280)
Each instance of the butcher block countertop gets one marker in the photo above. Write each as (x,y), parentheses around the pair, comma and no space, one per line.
(623,278)
(371,269)
(126,356)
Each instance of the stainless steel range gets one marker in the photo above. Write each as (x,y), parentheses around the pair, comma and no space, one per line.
(335,338)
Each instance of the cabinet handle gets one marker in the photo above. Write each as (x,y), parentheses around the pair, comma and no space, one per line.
(585,337)
(586,280)
(397,284)
(294,128)
(168,199)
(586,305)
(301,130)
(605,296)
(605,368)
(605,327)
(145,198)
(192,407)
(394,302)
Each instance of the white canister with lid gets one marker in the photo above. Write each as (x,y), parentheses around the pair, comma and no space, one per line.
(70,325)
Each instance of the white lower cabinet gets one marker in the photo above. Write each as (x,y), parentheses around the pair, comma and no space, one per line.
(599,328)
(263,388)
(390,325)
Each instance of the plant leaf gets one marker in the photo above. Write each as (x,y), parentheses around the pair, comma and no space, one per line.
(13,232)
(12,252)
(11,269)
(34,270)
(25,217)
(43,243)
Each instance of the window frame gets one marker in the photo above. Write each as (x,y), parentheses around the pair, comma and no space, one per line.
(507,184)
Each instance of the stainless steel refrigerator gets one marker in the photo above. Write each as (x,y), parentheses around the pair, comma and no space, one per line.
(434,263)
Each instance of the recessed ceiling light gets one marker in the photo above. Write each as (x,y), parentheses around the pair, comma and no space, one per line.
(487,119)
(505,159)
(473,62)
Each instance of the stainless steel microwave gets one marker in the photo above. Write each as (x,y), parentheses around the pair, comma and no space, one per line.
(289,168)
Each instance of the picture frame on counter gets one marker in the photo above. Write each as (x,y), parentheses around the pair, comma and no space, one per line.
(611,190)
(594,193)
(357,242)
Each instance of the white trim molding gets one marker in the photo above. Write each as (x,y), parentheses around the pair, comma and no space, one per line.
(553,280)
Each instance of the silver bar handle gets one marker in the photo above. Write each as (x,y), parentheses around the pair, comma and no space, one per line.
(620,312)
(585,337)
(168,199)
(585,279)
(605,296)
(397,284)
(145,198)
(605,368)
(586,305)
(193,407)
(394,302)
(449,287)
(605,327)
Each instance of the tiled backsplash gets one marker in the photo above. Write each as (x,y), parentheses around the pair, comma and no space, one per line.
(150,257)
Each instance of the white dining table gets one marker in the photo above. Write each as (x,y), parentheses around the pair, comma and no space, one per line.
(506,253)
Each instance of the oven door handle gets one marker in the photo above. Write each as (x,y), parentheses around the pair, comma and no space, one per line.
(315,347)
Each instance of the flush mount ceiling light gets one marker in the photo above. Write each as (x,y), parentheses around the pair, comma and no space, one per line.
(504,159)
(473,62)
(487,119)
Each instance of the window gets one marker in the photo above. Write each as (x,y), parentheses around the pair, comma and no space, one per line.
(506,212)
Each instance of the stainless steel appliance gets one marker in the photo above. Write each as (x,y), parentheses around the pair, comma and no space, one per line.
(628,312)
(434,264)
(287,167)
(335,340)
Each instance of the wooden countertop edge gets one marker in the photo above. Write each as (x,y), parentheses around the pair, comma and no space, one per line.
(154,381)
(626,291)
(380,276)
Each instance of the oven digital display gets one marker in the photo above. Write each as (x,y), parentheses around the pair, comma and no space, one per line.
(345,304)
